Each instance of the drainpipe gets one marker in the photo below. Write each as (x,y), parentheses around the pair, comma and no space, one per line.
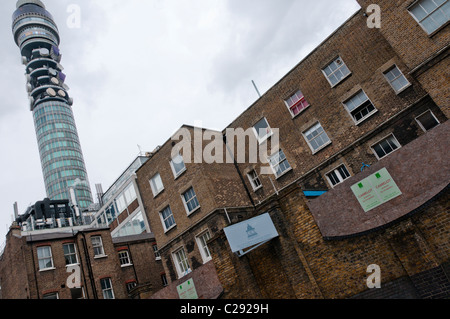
(34,268)
(88,262)
(239,172)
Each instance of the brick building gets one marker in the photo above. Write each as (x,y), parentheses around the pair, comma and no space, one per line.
(45,258)
(186,200)
(364,99)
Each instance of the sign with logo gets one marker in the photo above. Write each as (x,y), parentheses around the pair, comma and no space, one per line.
(251,233)
(187,290)
(376,190)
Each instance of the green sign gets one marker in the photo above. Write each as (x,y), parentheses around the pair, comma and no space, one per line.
(376,190)
(187,290)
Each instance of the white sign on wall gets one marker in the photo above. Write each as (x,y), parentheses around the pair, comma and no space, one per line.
(251,234)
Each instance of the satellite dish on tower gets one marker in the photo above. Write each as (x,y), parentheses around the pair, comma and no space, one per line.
(51,92)
(52,72)
(54,80)
(44,52)
(61,93)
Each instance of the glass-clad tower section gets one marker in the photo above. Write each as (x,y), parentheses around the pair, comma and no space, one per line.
(37,36)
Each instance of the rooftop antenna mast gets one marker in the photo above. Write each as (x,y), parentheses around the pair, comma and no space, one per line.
(256,88)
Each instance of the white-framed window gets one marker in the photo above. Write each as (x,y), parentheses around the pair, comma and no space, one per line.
(262,130)
(156,184)
(202,240)
(51,295)
(254,180)
(70,254)
(45,258)
(396,79)
(360,107)
(190,201)
(181,263)
(167,219)
(296,103)
(107,288)
(338,175)
(386,146)
(336,71)
(97,245)
(178,166)
(279,163)
(431,14)
(124,258)
(427,121)
(316,137)
(156,252)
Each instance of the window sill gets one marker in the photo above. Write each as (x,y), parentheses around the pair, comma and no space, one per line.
(366,118)
(284,173)
(432,34)
(298,114)
(265,138)
(157,194)
(169,229)
(314,152)
(126,265)
(193,211)
(179,174)
(47,269)
(403,89)
(100,256)
(257,188)
(342,80)
(73,265)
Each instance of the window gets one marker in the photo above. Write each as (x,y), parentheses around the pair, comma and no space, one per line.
(254,180)
(360,107)
(45,258)
(279,164)
(396,79)
(386,146)
(296,103)
(70,254)
(178,166)
(204,251)
(77,293)
(52,295)
(164,280)
(317,138)
(135,226)
(427,121)
(124,258)
(431,14)
(97,245)
(130,285)
(190,201)
(156,252)
(262,130)
(167,218)
(336,71)
(107,289)
(338,175)
(181,263)
(156,184)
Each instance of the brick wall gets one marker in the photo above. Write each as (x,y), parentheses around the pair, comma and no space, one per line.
(426,55)
(301,264)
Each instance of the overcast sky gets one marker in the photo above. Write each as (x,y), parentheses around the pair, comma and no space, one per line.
(139,69)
